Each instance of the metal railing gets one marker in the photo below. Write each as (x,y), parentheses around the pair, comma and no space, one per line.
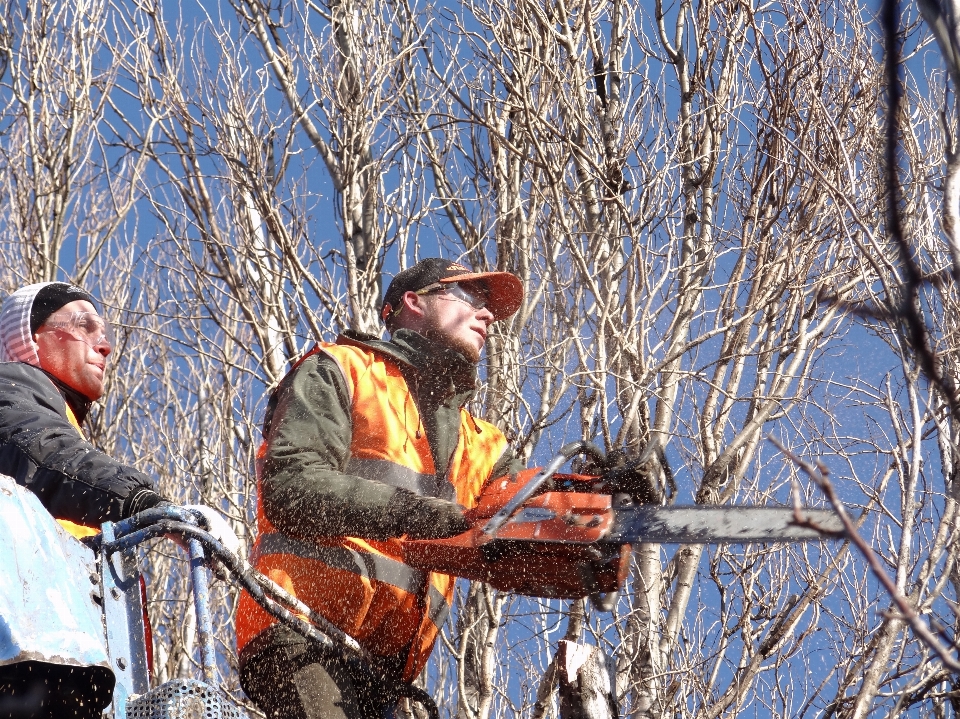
(119,539)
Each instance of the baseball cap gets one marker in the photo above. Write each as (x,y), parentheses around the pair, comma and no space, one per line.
(504,290)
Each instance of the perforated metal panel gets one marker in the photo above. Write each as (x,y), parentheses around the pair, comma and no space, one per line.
(184,699)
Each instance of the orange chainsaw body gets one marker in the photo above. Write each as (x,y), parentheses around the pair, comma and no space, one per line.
(552,547)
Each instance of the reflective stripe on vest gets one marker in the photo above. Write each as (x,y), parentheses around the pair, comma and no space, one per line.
(381,470)
(361,586)
(364,564)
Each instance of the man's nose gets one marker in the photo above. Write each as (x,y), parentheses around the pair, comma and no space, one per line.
(485,315)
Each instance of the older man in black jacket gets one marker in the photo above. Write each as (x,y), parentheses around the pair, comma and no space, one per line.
(53,352)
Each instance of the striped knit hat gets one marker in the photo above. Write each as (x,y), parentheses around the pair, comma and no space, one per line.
(25,310)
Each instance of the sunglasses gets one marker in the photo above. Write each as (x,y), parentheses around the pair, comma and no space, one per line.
(88,327)
(476,298)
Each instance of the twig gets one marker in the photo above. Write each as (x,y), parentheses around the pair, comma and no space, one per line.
(818,474)
(908,308)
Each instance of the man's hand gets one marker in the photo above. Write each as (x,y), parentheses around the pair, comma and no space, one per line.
(639,482)
(646,483)
(426,517)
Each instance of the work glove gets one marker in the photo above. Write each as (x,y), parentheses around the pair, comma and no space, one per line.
(141,500)
(426,517)
(642,483)
(217,526)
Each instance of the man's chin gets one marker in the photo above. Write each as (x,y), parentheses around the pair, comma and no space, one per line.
(91,390)
(469,352)
(462,347)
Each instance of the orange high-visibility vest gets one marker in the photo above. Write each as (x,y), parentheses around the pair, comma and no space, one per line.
(362,586)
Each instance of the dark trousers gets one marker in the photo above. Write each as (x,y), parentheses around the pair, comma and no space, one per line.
(38,690)
(302,681)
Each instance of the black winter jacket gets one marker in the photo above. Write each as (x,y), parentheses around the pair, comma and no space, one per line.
(42,451)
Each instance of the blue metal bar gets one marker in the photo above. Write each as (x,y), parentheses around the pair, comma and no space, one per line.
(201,599)
(123,622)
(173,520)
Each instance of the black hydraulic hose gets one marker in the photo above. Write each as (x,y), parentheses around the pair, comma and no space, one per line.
(245,574)
(151,517)
(583,447)
(422,698)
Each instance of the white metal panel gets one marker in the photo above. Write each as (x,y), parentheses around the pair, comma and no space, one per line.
(49,587)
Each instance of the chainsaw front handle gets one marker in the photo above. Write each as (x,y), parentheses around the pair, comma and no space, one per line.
(567,452)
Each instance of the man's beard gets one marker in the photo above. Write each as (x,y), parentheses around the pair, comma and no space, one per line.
(468,350)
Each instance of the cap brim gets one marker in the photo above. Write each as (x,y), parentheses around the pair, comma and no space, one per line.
(504,291)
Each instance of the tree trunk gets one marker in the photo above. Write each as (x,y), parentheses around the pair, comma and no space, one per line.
(587,685)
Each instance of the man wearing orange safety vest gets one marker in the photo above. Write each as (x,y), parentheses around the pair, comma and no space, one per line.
(367,443)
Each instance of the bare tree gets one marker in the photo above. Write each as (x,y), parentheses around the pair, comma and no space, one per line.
(693,198)
(660,313)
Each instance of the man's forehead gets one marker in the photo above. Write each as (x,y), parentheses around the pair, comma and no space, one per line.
(76,306)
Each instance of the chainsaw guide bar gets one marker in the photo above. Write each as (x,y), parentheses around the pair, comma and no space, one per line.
(722,525)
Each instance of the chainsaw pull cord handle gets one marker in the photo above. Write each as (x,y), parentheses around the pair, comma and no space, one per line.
(566,453)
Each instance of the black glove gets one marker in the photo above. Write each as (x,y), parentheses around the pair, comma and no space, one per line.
(140,500)
(426,517)
(641,482)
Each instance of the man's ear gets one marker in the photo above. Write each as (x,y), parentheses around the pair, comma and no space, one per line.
(412,312)
(40,350)
(413,304)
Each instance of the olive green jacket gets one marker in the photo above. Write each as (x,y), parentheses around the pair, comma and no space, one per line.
(308,425)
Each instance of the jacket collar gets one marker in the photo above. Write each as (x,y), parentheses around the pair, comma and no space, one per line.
(438,367)
(78,403)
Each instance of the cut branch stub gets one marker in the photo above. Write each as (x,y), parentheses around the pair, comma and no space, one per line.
(587,689)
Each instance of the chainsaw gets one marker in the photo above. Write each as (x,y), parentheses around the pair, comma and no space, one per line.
(546,534)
